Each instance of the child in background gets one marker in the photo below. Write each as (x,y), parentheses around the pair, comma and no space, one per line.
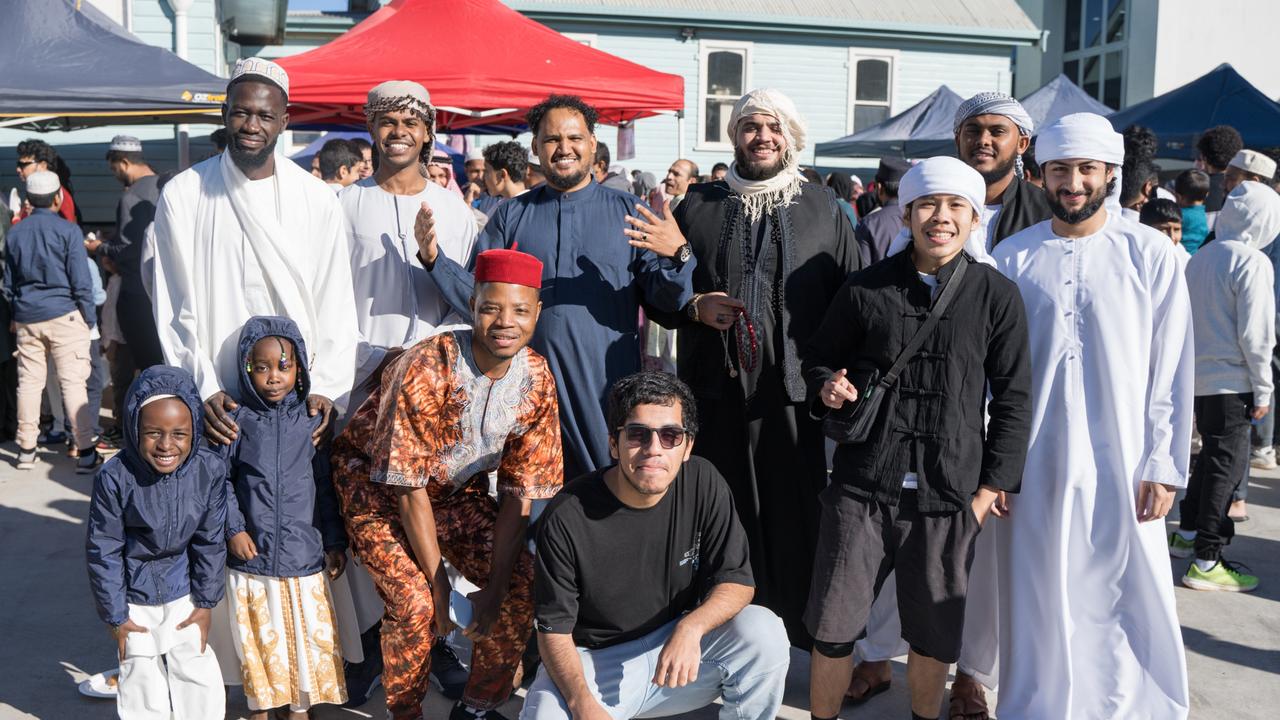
(1166,216)
(1192,187)
(157,553)
(283,531)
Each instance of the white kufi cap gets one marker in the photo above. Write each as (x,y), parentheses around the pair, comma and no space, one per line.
(43,182)
(264,69)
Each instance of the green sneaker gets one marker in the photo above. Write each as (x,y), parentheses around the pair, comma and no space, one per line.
(1181,547)
(1225,576)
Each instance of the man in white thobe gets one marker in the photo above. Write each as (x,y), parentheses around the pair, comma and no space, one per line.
(240,235)
(1088,623)
(397,302)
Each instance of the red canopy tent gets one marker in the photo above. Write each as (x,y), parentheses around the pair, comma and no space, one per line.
(482,62)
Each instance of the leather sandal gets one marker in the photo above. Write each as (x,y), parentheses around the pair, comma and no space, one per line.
(968,700)
(868,681)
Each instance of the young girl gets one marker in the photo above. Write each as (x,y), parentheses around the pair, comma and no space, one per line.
(283,531)
(157,553)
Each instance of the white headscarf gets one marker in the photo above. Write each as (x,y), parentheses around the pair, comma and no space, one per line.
(1251,215)
(995,103)
(943,176)
(762,196)
(1080,135)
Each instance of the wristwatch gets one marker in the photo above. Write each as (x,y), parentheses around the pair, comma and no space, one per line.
(692,308)
(683,253)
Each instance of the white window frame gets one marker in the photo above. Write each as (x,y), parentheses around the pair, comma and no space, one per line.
(591,40)
(894,57)
(705,48)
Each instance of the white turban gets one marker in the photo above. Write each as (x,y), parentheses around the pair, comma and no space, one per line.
(995,103)
(943,176)
(1252,161)
(767,101)
(760,197)
(1083,136)
(1251,215)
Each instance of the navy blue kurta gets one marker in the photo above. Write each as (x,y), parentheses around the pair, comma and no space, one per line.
(593,283)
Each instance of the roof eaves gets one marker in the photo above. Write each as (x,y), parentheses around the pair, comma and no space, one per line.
(791,25)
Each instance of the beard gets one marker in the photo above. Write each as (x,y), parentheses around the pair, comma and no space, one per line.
(749,170)
(246,160)
(1000,172)
(563,181)
(1086,211)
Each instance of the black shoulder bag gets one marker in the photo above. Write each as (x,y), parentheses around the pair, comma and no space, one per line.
(853,421)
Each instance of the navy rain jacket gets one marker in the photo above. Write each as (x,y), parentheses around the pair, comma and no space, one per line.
(155,538)
(279,489)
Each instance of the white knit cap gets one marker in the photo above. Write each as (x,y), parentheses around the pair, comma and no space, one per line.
(1252,161)
(43,182)
(125,143)
(1080,136)
(943,176)
(264,69)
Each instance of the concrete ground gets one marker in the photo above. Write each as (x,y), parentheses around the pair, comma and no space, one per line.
(50,638)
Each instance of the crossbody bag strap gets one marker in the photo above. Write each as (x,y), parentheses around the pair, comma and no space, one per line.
(935,314)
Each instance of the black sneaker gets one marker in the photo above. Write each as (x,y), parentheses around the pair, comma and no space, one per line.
(363,679)
(462,712)
(448,673)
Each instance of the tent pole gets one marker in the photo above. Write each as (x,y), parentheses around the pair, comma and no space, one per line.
(180,10)
(679,134)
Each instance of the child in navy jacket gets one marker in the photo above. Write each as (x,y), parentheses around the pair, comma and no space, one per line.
(283,530)
(157,553)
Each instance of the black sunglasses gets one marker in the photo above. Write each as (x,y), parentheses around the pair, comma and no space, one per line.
(24,163)
(637,435)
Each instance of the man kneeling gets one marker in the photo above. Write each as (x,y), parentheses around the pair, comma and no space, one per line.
(644,565)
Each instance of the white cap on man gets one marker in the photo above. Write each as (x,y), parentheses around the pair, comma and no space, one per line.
(264,69)
(43,182)
(125,143)
(475,153)
(1252,161)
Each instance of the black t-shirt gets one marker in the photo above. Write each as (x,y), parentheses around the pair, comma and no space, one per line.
(609,573)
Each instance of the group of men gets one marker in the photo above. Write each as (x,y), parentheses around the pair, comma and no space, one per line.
(444,354)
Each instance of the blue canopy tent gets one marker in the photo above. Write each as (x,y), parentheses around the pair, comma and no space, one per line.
(1220,97)
(922,130)
(304,155)
(70,66)
(1057,98)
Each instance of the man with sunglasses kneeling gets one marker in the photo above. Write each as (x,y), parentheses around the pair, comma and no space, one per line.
(643,581)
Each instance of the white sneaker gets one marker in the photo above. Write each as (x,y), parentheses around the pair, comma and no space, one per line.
(26,459)
(1263,458)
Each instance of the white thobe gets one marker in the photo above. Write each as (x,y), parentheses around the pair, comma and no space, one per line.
(1089,629)
(228,248)
(396,300)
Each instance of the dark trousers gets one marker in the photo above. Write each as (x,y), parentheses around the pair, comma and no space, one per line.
(138,325)
(122,372)
(1223,421)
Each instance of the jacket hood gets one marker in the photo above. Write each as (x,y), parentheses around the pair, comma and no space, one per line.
(1251,215)
(160,380)
(254,330)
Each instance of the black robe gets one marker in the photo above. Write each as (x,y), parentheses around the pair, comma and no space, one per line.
(755,427)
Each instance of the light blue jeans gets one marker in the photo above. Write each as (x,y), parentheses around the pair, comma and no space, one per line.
(744,661)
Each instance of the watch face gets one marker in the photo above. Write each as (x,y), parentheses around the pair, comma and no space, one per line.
(685,252)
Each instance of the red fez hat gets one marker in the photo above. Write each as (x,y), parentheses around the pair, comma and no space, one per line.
(509,266)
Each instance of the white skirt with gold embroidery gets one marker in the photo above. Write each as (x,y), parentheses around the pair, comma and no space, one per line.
(285,636)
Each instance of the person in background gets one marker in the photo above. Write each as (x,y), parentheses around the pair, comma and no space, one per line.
(718,171)
(366,155)
(476,191)
(843,187)
(1165,216)
(505,168)
(1214,149)
(1192,188)
(1030,170)
(36,156)
(1138,181)
(219,140)
(1249,165)
(680,175)
(1232,291)
(603,173)
(876,230)
(867,203)
(339,163)
(533,174)
(47,283)
(8,344)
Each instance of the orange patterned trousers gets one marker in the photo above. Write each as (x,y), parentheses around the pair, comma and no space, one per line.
(464,528)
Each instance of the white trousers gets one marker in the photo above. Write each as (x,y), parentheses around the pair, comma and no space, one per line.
(164,675)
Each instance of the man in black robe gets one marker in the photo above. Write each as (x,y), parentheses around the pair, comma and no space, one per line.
(772,250)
